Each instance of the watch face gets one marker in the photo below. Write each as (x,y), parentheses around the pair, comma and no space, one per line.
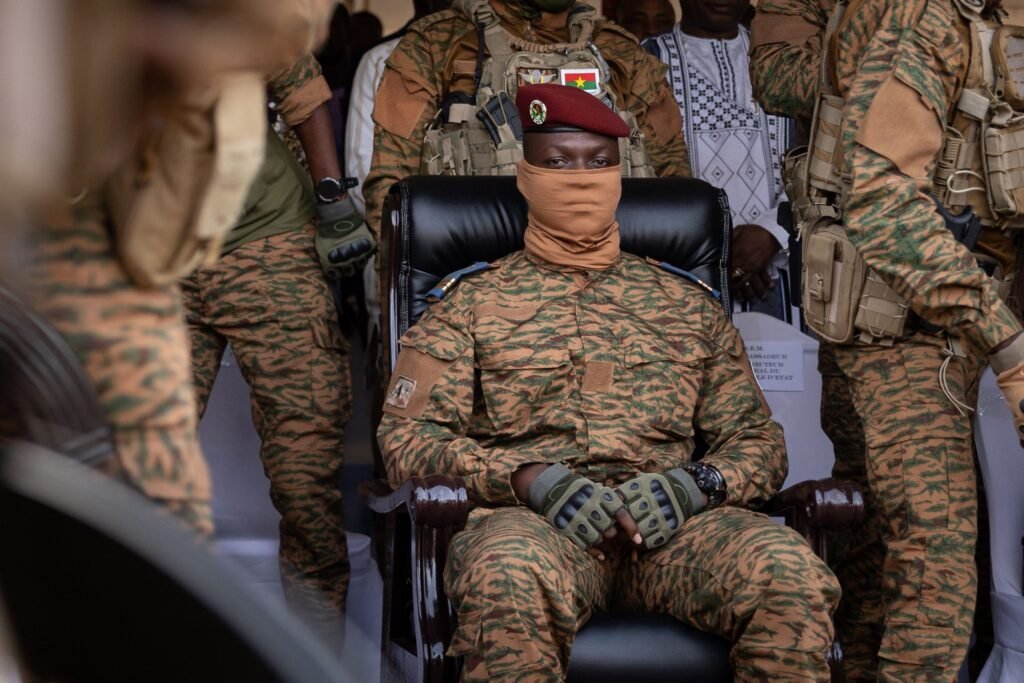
(328,190)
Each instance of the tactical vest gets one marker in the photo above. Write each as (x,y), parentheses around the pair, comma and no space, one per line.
(480,134)
(981,165)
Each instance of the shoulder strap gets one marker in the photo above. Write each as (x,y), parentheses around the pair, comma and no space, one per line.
(687,275)
(449,281)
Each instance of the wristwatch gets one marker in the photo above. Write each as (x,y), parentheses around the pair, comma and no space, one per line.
(328,190)
(709,480)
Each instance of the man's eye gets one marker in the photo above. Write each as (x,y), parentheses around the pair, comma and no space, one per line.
(557,162)
(599,163)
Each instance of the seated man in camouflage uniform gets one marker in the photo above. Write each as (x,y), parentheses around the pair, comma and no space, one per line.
(565,384)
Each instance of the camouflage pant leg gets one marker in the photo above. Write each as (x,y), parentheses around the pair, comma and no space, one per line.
(207,344)
(921,475)
(271,302)
(746,577)
(133,345)
(521,591)
(856,553)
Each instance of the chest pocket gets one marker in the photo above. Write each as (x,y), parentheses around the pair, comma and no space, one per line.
(520,382)
(666,380)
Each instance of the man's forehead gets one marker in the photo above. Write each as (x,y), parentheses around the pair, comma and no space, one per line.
(568,138)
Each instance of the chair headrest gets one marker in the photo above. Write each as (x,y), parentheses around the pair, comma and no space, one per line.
(440,224)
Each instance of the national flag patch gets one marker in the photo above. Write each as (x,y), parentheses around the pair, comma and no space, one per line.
(588,80)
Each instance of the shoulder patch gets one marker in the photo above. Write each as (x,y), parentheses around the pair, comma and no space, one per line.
(448,282)
(664,265)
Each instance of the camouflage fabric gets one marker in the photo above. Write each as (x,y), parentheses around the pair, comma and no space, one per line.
(522,591)
(914,51)
(879,401)
(437,56)
(900,437)
(133,345)
(653,358)
(610,373)
(271,302)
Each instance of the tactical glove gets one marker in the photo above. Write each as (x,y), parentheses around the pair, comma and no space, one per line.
(660,503)
(343,241)
(578,508)
(1008,365)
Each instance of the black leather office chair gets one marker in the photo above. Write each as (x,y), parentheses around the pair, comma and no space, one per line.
(97,585)
(435,225)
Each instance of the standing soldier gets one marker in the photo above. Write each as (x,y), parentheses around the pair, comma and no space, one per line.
(269,298)
(907,117)
(159,149)
(445,102)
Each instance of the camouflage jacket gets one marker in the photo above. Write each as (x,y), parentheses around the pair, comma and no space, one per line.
(899,66)
(438,55)
(610,372)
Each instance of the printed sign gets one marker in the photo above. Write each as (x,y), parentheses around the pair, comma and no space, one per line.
(778,365)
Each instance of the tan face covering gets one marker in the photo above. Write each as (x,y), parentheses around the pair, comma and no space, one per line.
(571,221)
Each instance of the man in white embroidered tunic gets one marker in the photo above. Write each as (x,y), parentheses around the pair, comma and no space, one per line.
(733,143)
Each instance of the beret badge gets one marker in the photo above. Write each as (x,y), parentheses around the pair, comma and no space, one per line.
(538,112)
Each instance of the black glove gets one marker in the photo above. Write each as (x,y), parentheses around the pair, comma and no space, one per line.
(343,241)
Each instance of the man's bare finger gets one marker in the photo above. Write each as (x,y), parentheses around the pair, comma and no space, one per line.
(757,286)
(625,520)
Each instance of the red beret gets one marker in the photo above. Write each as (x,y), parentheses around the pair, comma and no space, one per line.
(551,107)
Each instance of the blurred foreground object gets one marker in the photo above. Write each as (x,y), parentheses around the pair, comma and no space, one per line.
(45,396)
(97,586)
(79,76)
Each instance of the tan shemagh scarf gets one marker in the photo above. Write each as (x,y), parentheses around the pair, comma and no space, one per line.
(571,221)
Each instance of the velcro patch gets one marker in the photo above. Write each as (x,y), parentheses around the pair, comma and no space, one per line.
(902,127)
(415,376)
(598,376)
(401,393)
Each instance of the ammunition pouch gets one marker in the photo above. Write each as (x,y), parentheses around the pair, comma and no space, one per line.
(1003,144)
(842,297)
(825,157)
(806,206)
(172,205)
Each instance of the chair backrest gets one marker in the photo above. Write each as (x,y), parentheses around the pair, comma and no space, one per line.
(434,225)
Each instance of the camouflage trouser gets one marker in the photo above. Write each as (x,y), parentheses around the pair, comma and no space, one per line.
(133,345)
(522,591)
(908,572)
(271,302)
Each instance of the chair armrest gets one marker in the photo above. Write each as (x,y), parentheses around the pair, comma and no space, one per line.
(827,503)
(437,507)
(812,508)
(436,500)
